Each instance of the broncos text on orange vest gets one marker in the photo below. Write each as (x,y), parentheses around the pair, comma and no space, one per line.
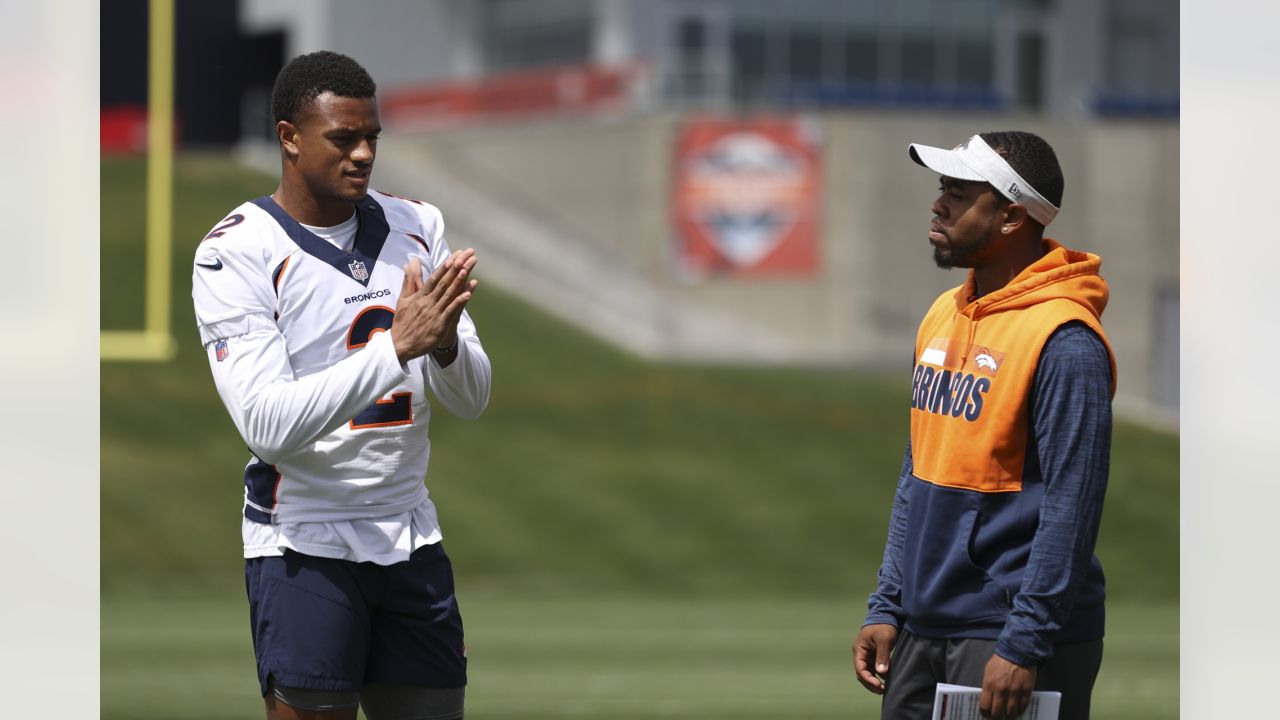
(975,361)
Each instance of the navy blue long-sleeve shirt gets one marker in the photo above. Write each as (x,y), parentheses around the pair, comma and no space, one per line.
(1059,594)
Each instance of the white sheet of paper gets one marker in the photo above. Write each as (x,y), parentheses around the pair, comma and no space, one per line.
(959,702)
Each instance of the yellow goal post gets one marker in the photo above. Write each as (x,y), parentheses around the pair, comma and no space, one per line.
(155,342)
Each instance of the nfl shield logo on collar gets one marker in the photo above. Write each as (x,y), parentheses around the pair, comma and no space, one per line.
(358,271)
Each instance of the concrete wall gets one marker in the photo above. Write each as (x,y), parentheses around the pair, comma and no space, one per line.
(606,183)
(398,41)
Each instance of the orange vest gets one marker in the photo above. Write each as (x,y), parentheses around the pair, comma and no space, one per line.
(976,359)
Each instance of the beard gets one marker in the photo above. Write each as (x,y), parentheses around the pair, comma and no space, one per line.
(941,259)
(956,258)
(963,253)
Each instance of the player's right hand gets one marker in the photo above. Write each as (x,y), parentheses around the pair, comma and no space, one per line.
(871,652)
(427,313)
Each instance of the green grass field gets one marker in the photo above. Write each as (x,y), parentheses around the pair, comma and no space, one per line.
(631,540)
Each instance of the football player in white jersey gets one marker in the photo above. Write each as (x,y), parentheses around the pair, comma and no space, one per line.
(328,312)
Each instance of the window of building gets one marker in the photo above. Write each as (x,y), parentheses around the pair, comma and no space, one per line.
(930,52)
(749,53)
(804,56)
(974,64)
(691,35)
(1030,65)
(917,61)
(861,58)
(537,33)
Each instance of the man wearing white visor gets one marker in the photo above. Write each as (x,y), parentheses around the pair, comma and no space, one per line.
(989,578)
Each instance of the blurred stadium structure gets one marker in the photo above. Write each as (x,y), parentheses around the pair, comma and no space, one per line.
(553,135)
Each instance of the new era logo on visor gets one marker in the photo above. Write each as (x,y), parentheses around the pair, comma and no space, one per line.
(1014,191)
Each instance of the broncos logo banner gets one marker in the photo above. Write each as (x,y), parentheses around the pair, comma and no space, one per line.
(747,197)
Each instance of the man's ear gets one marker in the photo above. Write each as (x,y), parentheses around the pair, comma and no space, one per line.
(287,134)
(1015,219)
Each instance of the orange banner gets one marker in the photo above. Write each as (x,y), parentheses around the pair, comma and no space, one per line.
(747,196)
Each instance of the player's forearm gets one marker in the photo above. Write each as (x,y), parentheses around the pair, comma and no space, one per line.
(280,416)
(1059,561)
(885,604)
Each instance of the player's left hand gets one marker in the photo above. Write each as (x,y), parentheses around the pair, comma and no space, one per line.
(1006,689)
(427,313)
(456,283)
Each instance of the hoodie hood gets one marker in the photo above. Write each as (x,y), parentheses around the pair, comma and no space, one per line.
(1059,273)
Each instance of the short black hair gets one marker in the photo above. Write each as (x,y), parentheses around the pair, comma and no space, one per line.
(1032,158)
(306,77)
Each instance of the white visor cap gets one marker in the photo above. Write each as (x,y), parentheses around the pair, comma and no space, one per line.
(975,161)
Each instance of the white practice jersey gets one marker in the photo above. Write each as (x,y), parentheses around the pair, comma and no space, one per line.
(295,331)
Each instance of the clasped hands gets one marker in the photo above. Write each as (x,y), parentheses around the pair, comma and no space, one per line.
(427,313)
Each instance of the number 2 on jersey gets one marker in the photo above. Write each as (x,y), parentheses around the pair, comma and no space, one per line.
(230,222)
(388,412)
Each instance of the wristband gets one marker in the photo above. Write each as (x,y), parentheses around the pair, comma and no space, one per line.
(446,350)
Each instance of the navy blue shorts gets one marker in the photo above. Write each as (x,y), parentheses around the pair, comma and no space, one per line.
(337,625)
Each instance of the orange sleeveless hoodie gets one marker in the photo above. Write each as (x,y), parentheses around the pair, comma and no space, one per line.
(975,361)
